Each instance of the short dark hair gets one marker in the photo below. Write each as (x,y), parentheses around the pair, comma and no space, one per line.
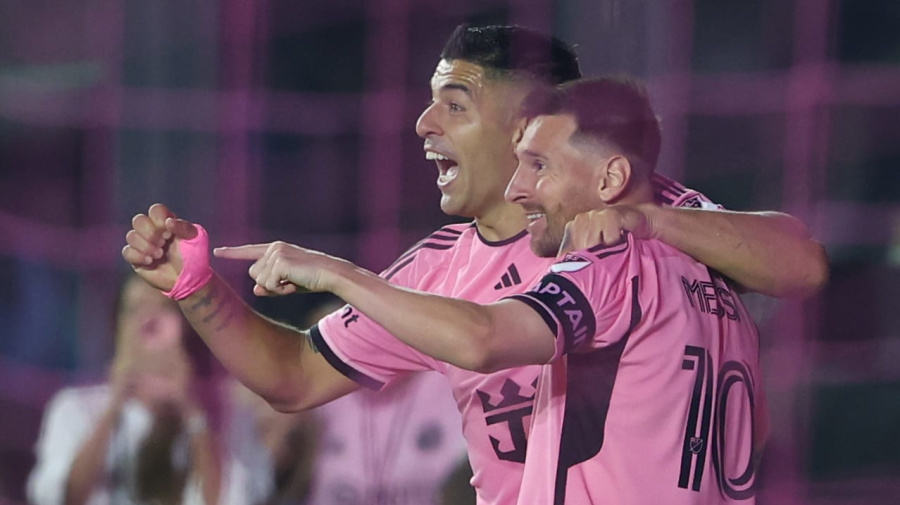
(612,110)
(514,50)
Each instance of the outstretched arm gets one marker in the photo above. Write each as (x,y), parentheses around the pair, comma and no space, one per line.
(483,338)
(771,253)
(278,362)
(273,360)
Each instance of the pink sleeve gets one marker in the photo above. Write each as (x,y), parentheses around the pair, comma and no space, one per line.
(363,350)
(671,192)
(586,298)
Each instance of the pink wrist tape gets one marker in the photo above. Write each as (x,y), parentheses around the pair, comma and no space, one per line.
(195,271)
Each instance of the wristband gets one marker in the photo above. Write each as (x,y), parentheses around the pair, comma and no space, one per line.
(195,271)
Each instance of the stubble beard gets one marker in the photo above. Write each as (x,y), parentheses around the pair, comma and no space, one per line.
(547,244)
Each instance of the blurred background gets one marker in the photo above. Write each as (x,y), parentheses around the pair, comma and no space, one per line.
(293,120)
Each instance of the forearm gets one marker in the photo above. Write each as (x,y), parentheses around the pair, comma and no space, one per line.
(263,354)
(476,337)
(455,331)
(89,464)
(766,252)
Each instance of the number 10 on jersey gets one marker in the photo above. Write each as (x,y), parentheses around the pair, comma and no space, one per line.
(717,394)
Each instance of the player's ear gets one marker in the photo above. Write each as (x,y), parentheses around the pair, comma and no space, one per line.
(616,173)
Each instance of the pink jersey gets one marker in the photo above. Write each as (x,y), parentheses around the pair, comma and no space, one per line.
(650,397)
(496,408)
(454,261)
(394,447)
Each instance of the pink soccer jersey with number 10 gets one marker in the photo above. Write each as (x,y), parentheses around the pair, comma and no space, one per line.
(496,408)
(652,393)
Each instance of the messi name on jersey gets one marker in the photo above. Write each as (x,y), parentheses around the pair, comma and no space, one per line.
(711,297)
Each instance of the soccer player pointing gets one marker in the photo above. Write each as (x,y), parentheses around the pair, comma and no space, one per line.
(468,130)
(652,391)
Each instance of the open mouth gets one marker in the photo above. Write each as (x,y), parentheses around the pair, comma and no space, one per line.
(448,169)
(534,217)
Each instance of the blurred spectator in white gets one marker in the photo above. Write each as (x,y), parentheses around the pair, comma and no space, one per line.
(272,452)
(394,447)
(144,436)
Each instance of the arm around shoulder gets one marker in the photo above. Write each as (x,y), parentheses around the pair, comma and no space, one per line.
(771,253)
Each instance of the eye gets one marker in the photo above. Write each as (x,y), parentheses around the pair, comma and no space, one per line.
(538,166)
(455,107)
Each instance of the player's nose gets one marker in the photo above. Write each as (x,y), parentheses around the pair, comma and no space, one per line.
(427,124)
(519,188)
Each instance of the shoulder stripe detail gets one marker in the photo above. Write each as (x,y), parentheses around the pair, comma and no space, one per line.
(399,267)
(668,194)
(663,183)
(410,255)
(663,199)
(424,244)
(443,237)
(600,247)
(447,229)
(339,365)
(610,253)
(613,251)
(667,191)
(439,247)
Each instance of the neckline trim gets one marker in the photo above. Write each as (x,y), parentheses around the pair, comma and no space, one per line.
(498,243)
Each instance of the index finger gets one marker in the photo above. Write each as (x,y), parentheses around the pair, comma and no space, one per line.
(251,252)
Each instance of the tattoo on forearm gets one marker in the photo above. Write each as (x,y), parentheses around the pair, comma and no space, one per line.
(214,312)
(206,300)
(233,309)
(217,304)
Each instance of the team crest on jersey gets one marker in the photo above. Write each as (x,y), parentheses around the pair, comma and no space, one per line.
(698,202)
(693,202)
(570,263)
(506,418)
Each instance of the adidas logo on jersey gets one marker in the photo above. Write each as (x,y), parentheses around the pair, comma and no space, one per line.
(510,278)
